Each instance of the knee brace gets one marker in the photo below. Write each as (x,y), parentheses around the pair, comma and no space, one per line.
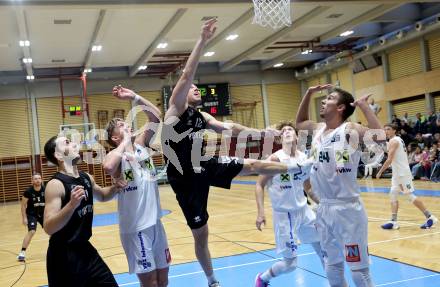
(362,278)
(411,197)
(335,275)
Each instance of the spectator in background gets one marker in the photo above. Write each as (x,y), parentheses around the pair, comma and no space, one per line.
(396,121)
(422,169)
(418,140)
(431,123)
(374,107)
(411,155)
(435,171)
(405,119)
(419,125)
(405,136)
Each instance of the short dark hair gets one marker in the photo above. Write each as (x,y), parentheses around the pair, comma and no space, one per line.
(283,124)
(346,99)
(49,150)
(393,126)
(110,128)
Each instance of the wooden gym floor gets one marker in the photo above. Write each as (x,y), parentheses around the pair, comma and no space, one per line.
(232,227)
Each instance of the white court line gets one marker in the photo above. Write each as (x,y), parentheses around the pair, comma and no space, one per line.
(406,280)
(222,268)
(400,221)
(402,238)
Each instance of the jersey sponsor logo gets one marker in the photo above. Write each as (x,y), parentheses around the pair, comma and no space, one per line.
(285,177)
(336,138)
(168,255)
(343,170)
(196,135)
(285,187)
(130,188)
(128,175)
(148,164)
(85,210)
(342,156)
(352,253)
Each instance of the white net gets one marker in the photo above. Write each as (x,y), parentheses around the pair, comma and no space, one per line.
(272,13)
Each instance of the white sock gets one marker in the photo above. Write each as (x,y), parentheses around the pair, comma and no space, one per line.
(266,276)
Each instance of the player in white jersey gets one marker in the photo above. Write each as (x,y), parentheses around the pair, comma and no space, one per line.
(293,219)
(341,218)
(142,234)
(402,180)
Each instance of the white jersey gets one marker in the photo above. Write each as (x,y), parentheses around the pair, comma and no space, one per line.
(138,204)
(334,173)
(286,189)
(400,164)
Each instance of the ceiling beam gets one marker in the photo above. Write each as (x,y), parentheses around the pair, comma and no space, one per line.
(231,28)
(366,17)
(95,38)
(24,35)
(274,37)
(281,58)
(152,48)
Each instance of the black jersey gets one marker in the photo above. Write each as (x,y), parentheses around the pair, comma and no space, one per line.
(35,204)
(79,227)
(193,121)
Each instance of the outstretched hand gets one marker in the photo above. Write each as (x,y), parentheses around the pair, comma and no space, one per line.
(123,93)
(208,29)
(319,88)
(361,101)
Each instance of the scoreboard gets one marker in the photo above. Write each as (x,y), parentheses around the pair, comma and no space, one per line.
(216,99)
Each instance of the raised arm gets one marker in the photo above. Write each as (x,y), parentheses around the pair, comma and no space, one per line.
(218,126)
(303,121)
(178,101)
(112,161)
(372,120)
(107,193)
(153,113)
(392,148)
(56,217)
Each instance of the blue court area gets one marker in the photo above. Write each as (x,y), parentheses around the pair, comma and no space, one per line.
(105,219)
(240,271)
(420,192)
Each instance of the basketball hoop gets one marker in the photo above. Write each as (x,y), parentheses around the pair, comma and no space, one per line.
(272,13)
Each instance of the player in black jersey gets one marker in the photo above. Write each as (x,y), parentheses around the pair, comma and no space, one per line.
(190,175)
(71,259)
(32,211)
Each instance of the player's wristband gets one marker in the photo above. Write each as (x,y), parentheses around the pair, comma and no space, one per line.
(137,98)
